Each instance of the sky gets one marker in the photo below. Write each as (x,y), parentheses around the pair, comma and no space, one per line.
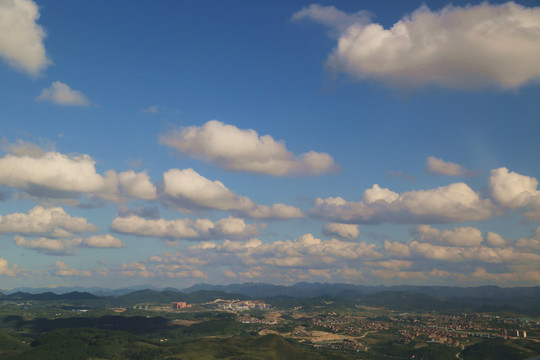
(177,142)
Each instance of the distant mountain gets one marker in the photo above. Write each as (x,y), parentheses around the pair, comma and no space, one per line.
(98,291)
(323,289)
(49,296)
(200,296)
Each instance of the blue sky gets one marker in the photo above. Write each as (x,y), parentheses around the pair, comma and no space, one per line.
(341,141)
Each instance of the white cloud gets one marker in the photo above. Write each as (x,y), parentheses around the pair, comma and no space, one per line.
(5,270)
(49,246)
(184,228)
(39,220)
(235,149)
(103,241)
(276,211)
(52,246)
(391,264)
(303,251)
(61,94)
(532,243)
(454,202)
(55,171)
(229,273)
(62,269)
(481,253)
(25,148)
(457,47)
(137,185)
(21,38)
(495,240)
(516,191)
(136,269)
(187,186)
(345,231)
(459,236)
(395,248)
(348,273)
(55,175)
(440,167)
(530,276)
(332,17)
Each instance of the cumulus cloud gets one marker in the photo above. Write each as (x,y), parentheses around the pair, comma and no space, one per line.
(457,47)
(67,246)
(440,167)
(136,269)
(516,191)
(137,185)
(103,241)
(54,175)
(344,231)
(301,252)
(39,220)
(21,38)
(276,211)
(495,240)
(49,246)
(26,148)
(459,236)
(244,150)
(61,94)
(395,248)
(187,187)
(55,171)
(530,276)
(5,270)
(451,203)
(481,253)
(532,243)
(63,270)
(332,17)
(184,228)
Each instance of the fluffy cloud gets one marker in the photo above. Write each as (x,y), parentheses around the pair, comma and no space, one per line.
(187,187)
(516,191)
(495,240)
(54,221)
(457,47)
(533,243)
(136,269)
(459,236)
(395,248)
(235,149)
(440,167)
(303,251)
(184,228)
(344,231)
(454,202)
(531,276)
(137,185)
(482,253)
(21,38)
(63,270)
(49,246)
(55,175)
(5,270)
(61,94)
(55,246)
(26,148)
(103,241)
(55,171)
(276,211)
